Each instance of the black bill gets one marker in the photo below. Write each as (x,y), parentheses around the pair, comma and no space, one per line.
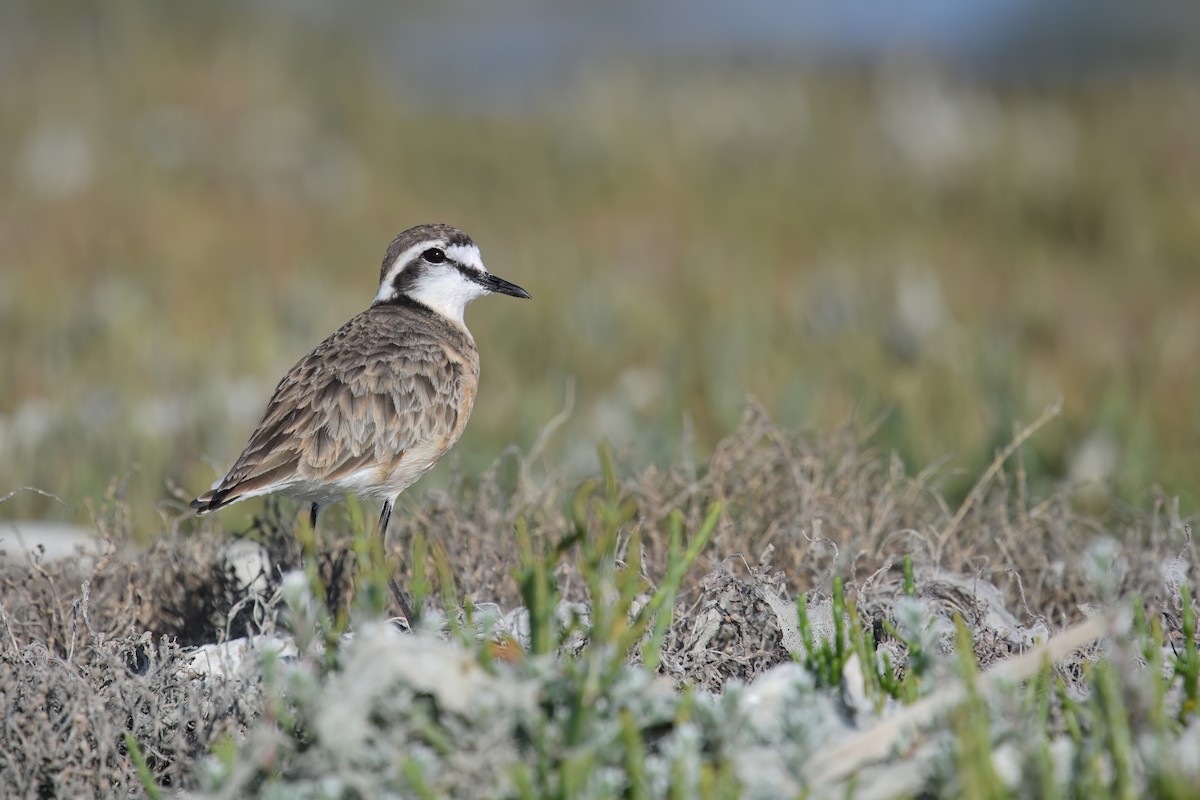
(501,286)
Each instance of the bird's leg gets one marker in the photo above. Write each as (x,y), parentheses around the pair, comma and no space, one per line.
(384,518)
(312,515)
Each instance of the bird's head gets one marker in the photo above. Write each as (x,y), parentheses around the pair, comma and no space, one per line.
(439,267)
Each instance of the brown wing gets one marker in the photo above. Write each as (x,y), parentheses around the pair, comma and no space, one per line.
(371,392)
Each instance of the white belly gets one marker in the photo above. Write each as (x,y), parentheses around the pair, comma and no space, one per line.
(370,482)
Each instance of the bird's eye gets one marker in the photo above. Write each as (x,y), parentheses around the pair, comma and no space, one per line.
(434,255)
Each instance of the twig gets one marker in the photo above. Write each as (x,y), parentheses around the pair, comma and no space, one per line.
(548,430)
(839,761)
(8,627)
(977,491)
(33,489)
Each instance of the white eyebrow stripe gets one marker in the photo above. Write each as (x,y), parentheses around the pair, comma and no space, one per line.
(467,255)
(387,287)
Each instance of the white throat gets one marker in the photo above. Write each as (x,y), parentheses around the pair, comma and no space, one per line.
(447,292)
(441,287)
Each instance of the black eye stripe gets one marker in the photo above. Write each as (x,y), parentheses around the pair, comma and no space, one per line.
(406,278)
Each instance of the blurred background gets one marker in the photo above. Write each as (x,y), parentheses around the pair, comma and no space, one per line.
(935,217)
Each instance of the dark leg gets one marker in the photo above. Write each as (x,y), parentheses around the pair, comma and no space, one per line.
(312,515)
(384,518)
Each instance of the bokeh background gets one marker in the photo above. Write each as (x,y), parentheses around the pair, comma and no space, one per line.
(933,218)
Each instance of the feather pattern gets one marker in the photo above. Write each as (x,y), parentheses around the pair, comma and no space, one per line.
(367,412)
(375,405)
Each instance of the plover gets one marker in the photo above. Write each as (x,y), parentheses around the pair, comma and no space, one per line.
(379,402)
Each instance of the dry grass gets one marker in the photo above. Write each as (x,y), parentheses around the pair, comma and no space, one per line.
(191,199)
(93,650)
(822,506)
(689,236)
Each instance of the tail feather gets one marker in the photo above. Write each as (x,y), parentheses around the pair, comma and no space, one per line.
(209,501)
(224,494)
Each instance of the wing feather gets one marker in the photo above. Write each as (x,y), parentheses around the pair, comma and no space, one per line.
(381,386)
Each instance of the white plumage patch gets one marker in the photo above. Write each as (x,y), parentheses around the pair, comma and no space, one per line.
(441,287)
(446,291)
(467,255)
(387,288)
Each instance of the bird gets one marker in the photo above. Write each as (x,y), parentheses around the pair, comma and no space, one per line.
(378,403)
